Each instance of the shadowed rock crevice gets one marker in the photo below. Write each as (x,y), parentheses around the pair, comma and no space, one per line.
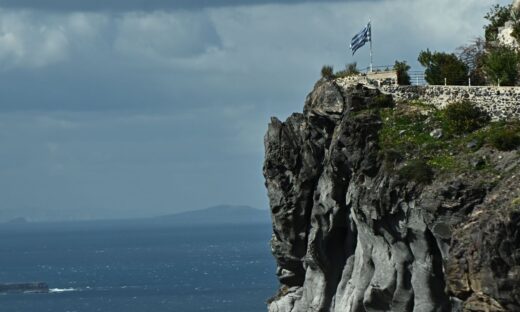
(351,233)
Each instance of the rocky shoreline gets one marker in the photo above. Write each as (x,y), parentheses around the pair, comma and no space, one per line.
(36,287)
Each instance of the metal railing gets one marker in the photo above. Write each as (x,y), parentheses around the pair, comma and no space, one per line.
(417,78)
(379,68)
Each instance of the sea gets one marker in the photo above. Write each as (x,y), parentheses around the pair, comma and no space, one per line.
(137,266)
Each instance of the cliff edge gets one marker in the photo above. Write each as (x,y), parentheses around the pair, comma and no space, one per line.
(381,207)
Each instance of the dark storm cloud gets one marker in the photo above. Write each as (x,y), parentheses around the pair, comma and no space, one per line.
(132,5)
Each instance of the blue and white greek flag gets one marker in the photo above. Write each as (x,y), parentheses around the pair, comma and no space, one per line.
(361,38)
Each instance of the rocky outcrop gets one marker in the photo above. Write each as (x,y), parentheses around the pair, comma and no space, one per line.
(505,33)
(37,287)
(351,234)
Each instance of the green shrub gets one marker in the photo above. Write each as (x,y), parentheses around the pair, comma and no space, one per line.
(403,78)
(350,70)
(501,66)
(505,139)
(383,101)
(516,30)
(327,72)
(405,132)
(444,162)
(463,117)
(417,170)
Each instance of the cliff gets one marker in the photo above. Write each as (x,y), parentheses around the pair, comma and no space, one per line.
(505,33)
(379,207)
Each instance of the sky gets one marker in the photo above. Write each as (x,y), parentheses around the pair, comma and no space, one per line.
(138,108)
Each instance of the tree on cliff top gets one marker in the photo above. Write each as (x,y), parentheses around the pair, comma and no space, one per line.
(440,66)
(403,78)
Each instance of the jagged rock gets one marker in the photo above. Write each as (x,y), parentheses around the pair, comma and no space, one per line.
(472,144)
(505,34)
(437,133)
(351,235)
(478,163)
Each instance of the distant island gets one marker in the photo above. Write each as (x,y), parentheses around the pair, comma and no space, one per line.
(222,214)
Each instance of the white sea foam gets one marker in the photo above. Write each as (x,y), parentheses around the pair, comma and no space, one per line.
(61,290)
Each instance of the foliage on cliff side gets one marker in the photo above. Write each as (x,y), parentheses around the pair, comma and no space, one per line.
(497,16)
(463,117)
(327,71)
(415,134)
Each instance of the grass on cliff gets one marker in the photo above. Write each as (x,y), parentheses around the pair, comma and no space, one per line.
(515,203)
(419,139)
(504,136)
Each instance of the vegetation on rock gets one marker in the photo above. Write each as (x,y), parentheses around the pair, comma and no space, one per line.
(497,16)
(403,78)
(505,136)
(327,72)
(463,117)
(407,143)
(516,202)
(350,70)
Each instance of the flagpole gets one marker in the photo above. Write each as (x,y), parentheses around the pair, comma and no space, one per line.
(371,53)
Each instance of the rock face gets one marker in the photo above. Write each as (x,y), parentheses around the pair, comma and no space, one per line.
(37,287)
(351,235)
(505,36)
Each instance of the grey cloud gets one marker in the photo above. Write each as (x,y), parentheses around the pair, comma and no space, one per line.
(121,121)
(142,5)
(165,35)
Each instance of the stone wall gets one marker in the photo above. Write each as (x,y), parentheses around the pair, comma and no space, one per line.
(376,78)
(499,102)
